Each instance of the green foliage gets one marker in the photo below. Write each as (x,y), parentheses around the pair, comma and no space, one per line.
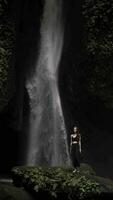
(98,49)
(106,184)
(83,187)
(55,182)
(98,16)
(7,43)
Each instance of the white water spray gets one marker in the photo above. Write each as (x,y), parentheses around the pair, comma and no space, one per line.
(47,133)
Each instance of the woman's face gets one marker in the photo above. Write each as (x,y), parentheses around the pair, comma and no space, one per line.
(75,129)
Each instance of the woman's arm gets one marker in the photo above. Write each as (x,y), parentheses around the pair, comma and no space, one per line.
(80,149)
(70,143)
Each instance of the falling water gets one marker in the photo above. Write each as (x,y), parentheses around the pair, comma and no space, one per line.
(47,133)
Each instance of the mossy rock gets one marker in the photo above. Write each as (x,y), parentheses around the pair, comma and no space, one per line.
(87,169)
(10,192)
(56,183)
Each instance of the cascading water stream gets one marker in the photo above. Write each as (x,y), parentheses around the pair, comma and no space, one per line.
(47,133)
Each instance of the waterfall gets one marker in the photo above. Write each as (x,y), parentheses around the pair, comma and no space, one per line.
(47,142)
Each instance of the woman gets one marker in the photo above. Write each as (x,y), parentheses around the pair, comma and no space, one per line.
(75,148)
